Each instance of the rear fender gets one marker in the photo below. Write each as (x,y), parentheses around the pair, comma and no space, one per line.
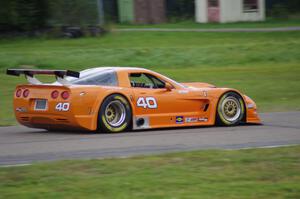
(126,93)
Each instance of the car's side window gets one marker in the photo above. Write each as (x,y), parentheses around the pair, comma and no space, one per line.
(140,80)
(143,80)
(157,82)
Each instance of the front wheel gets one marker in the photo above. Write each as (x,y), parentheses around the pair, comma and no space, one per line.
(230,110)
(115,114)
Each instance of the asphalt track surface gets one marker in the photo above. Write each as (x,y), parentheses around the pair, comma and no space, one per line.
(21,145)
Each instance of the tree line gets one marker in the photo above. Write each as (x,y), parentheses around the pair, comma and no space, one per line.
(27,15)
(23,14)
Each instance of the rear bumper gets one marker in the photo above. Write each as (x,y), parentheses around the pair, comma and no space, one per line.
(50,121)
(76,112)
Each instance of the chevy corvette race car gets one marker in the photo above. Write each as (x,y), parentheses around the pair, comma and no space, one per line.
(114,99)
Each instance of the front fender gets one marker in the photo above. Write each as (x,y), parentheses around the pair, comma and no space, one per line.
(252,115)
(251,108)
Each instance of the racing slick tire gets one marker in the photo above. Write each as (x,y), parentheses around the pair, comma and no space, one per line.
(230,109)
(115,114)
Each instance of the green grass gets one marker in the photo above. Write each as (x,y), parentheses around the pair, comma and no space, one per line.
(253,173)
(265,66)
(269,23)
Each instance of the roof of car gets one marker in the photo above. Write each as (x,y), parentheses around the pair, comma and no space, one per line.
(131,69)
(117,68)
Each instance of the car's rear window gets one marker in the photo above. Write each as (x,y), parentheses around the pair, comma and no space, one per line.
(101,78)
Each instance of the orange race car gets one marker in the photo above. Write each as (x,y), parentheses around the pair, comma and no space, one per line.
(113,99)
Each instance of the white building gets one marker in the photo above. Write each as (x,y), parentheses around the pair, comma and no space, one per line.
(229,10)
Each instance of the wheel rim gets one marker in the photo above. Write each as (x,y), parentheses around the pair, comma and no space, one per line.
(115,113)
(231,109)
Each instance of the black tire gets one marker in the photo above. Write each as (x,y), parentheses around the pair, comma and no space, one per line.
(115,114)
(230,109)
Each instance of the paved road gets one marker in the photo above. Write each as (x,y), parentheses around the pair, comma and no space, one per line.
(20,145)
(279,29)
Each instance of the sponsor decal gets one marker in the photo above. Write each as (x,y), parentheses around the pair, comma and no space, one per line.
(191,119)
(21,109)
(195,119)
(203,119)
(82,93)
(250,106)
(179,120)
(183,91)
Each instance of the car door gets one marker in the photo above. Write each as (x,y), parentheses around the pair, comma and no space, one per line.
(154,104)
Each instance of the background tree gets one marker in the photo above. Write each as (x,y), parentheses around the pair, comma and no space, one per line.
(73,12)
(23,15)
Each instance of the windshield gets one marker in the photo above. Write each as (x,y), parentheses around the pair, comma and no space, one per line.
(172,81)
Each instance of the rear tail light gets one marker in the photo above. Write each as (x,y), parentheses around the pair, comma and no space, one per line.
(54,94)
(19,93)
(26,93)
(65,95)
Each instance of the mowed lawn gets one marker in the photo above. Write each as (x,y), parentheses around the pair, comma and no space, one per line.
(252,173)
(293,21)
(265,66)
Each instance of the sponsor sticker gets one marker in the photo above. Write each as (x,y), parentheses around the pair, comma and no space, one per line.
(183,91)
(195,119)
(203,119)
(21,109)
(179,120)
(191,119)
(250,106)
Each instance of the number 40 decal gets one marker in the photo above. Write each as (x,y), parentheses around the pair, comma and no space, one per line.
(62,107)
(146,102)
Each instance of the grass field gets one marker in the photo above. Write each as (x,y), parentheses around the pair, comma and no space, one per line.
(266,66)
(269,23)
(253,173)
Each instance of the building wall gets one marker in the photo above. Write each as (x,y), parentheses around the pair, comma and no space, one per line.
(142,11)
(230,11)
(126,11)
(149,11)
(201,11)
(157,10)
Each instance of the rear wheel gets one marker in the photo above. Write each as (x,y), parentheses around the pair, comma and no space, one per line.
(230,110)
(115,114)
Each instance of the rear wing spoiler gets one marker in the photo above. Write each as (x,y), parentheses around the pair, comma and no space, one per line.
(29,74)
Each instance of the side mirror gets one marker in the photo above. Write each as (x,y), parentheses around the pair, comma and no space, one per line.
(168,86)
